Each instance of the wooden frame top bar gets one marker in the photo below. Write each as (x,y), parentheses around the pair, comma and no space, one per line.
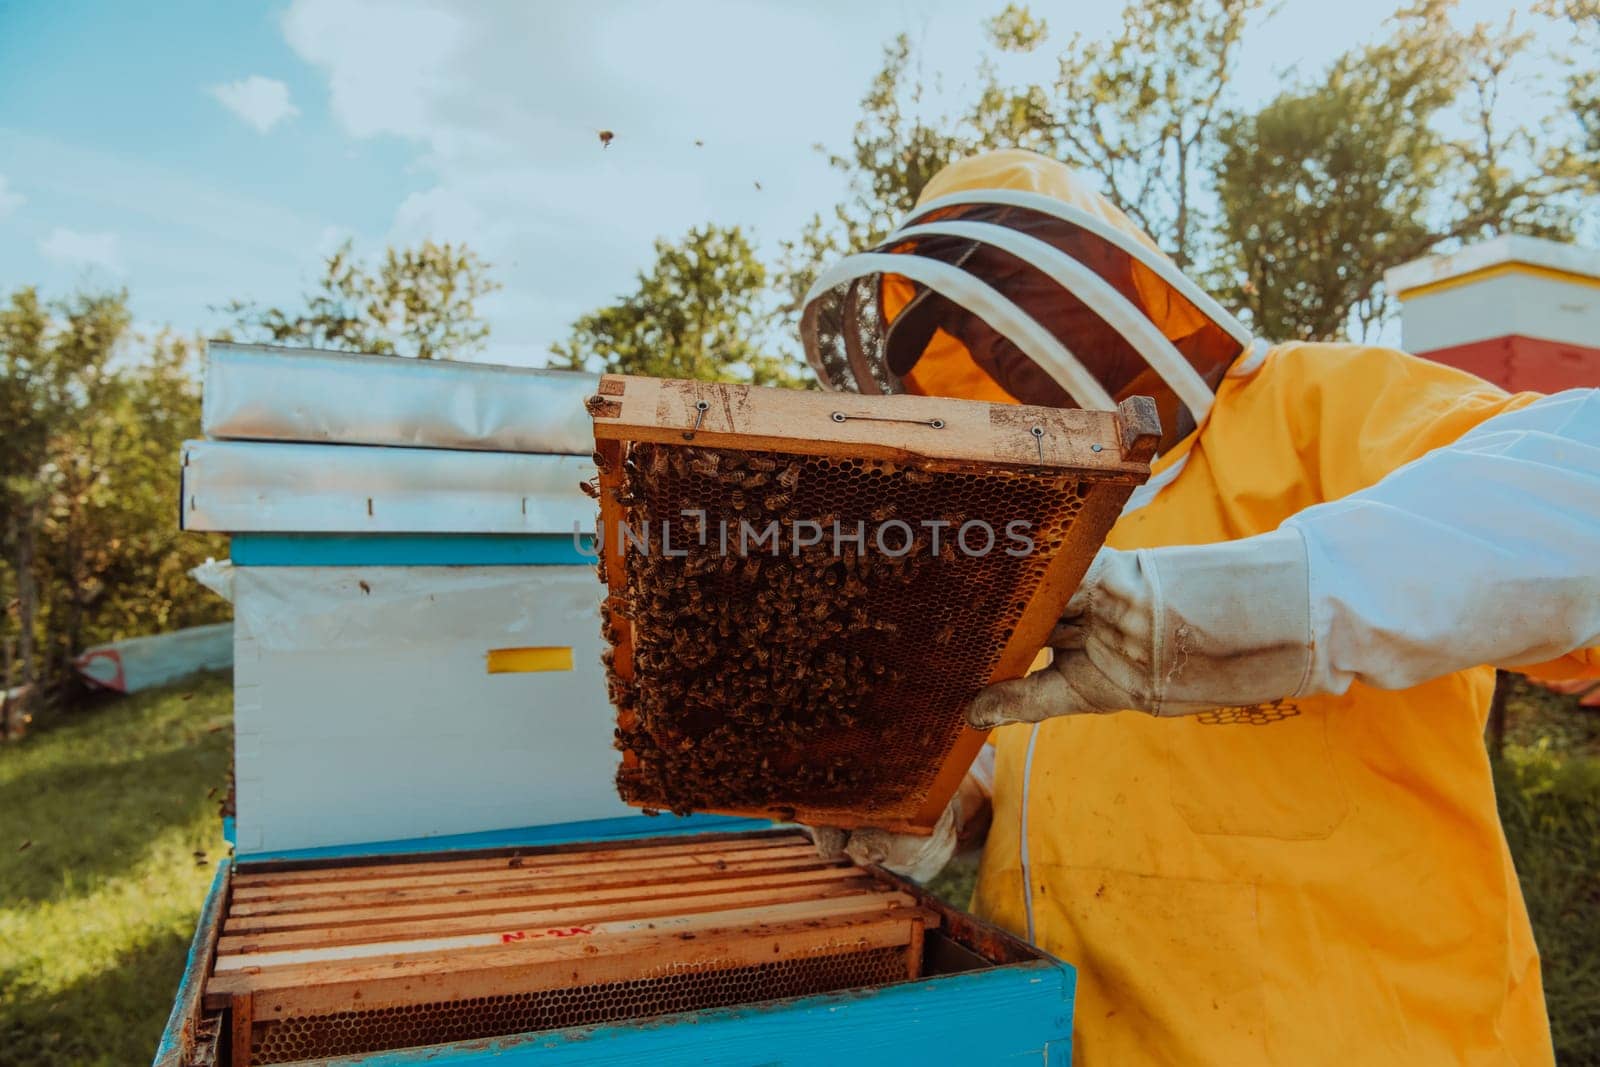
(963,433)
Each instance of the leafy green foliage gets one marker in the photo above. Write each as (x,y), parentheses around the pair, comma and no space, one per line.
(420,302)
(1577,158)
(109,836)
(695,313)
(1016,29)
(1291,212)
(1550,808)
(1330,183)
(89,480)
(894,152)
(1140,110)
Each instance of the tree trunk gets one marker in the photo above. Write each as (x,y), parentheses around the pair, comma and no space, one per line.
(21,650)
(27,594)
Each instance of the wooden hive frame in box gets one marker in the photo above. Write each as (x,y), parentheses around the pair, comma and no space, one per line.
(826,684)
(340,958)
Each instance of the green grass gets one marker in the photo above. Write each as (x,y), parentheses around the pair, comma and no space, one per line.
(1550,806)
(97,911)
(101,817)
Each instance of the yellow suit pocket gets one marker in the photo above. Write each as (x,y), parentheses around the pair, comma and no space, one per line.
(1261,771)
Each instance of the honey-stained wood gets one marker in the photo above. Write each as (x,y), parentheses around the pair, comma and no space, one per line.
(241,1011)
(747,843)
(517,884)
(530,875)
(969,435)
(498,920)
(567,919)
(1108,451)
(353,918)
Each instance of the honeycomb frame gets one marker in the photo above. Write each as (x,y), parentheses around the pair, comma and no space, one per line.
(320,959)
(727,701)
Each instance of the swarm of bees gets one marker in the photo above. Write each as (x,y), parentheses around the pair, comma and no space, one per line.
(767,673)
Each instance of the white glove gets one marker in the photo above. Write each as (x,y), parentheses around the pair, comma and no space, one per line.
(910,855)
(1172,631)
(1404,581)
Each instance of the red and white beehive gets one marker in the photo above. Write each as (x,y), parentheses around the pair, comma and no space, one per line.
(1521,312)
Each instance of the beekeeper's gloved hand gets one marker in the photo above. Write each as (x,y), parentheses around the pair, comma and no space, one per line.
(919,858)
(1172,631)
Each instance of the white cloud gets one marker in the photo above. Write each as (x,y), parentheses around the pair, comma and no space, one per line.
(503,104)
(9,199)
(262,102)
(77,249)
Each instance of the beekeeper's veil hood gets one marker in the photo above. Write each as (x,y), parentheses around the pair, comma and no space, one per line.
(1014,281)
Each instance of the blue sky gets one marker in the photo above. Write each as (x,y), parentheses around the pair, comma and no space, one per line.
(123,163)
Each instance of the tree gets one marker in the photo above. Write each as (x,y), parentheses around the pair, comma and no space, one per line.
(1577,158)
(1331,183)
(696,313)
(894,152)
(418,302)
(1291,212)
(88,479)
(1141,110)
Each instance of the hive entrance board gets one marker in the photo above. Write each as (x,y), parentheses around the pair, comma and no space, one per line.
(323,960)
(786,641)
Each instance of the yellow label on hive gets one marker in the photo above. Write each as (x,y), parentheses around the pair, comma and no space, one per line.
(527,660)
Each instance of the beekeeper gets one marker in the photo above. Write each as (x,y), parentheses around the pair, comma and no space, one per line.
(1249,799)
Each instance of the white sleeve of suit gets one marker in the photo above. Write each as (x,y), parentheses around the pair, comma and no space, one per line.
(1485,551)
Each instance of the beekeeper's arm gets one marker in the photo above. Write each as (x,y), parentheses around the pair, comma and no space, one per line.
(1484,551)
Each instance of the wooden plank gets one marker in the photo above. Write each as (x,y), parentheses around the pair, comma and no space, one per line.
(798,911)
(365,985)
(356,872)
(243,1023)
(1028,635)
(512,885)
(446,907)
(504,872)
(503,919)
(549,841)
(1017,1016)
(608,457)
(178,1041)
(973,434)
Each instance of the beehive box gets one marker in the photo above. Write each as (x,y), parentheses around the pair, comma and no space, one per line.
(316,961)
(805,589)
